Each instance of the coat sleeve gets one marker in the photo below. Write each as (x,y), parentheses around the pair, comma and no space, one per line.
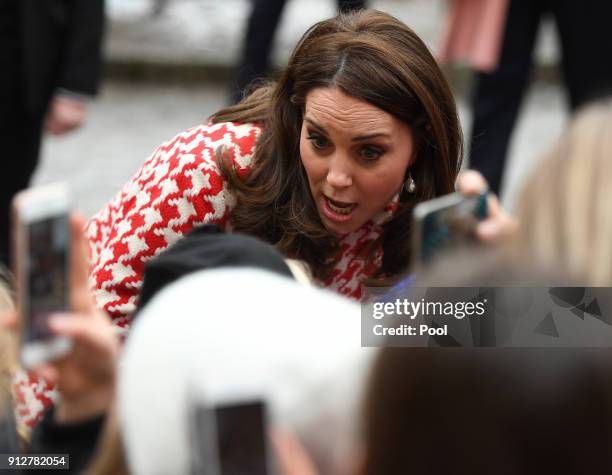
(178,188)
(81,66)
(474,33)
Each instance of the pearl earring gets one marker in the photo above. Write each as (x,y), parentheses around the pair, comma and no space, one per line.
(409,184)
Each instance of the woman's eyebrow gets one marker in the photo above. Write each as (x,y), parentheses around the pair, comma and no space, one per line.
(315,125)
(358,138)
(370,136)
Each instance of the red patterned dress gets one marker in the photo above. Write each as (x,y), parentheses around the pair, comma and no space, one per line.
(178,188)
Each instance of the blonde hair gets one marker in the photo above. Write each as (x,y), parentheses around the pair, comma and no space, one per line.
(8,352)
(301,272)
(109,457)
(565,208)
(7,342)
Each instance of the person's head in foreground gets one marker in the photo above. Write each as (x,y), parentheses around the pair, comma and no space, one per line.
(259,346)
(511,411)
(361,119)
(564,209)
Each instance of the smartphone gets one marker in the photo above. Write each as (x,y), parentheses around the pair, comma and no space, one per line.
(231,439)
(444,223)
(41,242)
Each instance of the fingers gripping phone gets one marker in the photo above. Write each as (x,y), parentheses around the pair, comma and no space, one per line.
(231,439)
(41,241)
(445,222)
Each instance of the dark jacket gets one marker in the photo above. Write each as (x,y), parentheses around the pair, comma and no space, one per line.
(61,47)
(78,440)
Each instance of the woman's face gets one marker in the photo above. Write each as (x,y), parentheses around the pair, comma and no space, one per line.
(355,155)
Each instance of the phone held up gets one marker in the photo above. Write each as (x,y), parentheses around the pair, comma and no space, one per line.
(41,253)
(445,222)
(231,438)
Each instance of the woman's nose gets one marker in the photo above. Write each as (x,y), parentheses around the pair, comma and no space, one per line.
(339,174)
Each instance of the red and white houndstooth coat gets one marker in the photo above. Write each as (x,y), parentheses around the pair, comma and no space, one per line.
(178,188)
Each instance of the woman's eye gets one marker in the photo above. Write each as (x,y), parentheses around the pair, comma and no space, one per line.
(318,141)
(371,153)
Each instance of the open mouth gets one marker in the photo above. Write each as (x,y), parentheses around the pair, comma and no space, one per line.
(340,207)
(338,210)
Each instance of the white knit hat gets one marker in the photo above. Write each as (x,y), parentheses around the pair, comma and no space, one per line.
(238,333)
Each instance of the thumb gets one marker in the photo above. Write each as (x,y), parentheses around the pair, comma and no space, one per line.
(80,297)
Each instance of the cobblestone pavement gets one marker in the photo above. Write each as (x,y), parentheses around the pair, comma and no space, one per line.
(125,125)
(130,120)
(210,31)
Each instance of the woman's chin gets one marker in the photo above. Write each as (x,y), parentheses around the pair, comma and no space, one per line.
(340,229)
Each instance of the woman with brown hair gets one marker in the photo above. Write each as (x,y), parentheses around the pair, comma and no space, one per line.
(326,165)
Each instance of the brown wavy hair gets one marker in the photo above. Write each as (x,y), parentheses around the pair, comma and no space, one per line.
(373,57)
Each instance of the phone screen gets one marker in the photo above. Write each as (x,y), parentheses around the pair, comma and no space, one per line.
(46,270)
(231,439)
(241,438)
(451,226)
